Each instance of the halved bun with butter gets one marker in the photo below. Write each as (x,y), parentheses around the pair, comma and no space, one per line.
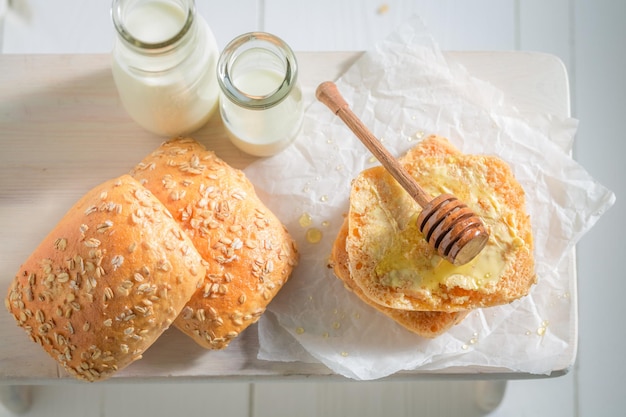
(250,254)
(104,284)
(394,266)
(424,323)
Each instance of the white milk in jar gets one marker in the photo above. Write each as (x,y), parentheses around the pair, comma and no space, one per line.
(261,100)
(164,63)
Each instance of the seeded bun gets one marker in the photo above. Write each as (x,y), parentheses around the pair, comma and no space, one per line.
(107,281)
(390,261)
(427,324)
(250,254)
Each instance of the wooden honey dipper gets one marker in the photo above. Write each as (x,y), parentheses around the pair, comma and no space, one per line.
(449,226)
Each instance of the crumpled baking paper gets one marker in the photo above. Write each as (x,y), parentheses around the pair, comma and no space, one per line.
(404,89)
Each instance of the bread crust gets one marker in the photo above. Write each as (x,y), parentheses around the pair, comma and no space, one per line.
(429,324)
(392,263)
(250,254)
(106,281)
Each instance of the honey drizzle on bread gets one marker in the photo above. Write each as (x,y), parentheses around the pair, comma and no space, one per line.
(395,268)
(427,324)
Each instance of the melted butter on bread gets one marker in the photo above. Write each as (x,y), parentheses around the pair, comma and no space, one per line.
(401,269)
(394,265)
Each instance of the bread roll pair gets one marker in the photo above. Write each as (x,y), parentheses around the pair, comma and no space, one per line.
(382,256)
(184,239)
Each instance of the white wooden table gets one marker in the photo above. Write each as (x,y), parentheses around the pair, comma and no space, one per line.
(63,130)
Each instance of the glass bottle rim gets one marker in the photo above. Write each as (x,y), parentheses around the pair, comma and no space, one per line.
(238,46)
(117,15)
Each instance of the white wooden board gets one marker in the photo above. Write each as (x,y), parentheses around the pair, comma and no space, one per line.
(63,130)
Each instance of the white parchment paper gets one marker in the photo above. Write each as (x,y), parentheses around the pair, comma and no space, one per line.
(404,89)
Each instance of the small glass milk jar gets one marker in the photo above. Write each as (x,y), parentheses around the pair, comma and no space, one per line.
(164,62)
(260,101)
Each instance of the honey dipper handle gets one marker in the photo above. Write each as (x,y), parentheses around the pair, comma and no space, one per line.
(328,94)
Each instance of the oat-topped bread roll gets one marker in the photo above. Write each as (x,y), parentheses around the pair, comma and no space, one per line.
(395,267)
(107,281)
(250,254)
(424,323)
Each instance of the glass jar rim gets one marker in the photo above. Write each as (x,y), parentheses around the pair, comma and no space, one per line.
(238,46)
(118,22)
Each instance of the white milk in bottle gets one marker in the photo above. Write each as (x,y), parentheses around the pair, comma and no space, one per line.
(261,100)
(164,63)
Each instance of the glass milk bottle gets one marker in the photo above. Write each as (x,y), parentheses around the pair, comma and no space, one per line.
(261,100)
(164,62)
